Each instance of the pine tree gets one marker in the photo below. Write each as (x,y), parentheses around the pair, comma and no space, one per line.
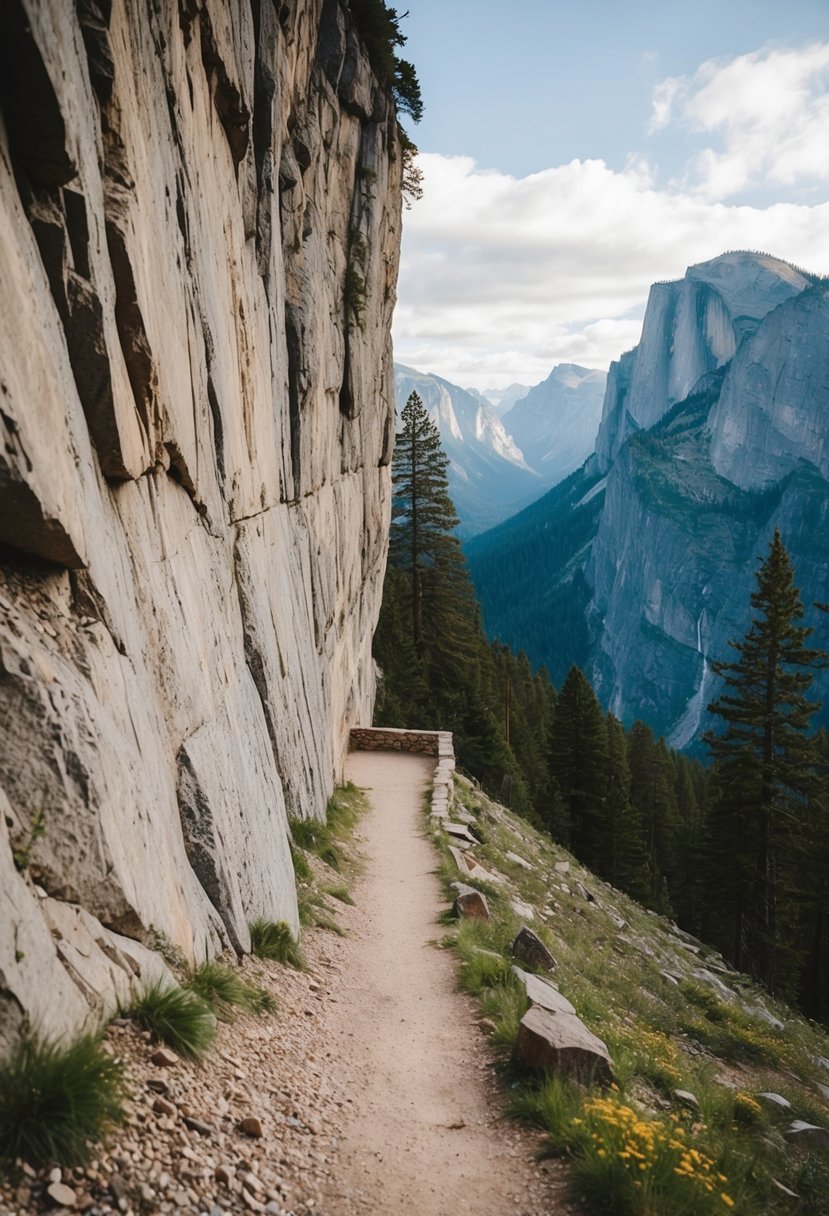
(422,536)
(439,670)
(578,761)
(765,772)
(653,796)
(626,864)
(688,887)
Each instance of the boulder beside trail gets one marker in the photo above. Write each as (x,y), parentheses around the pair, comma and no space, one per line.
(530,949)
(469,903)
(561,1043)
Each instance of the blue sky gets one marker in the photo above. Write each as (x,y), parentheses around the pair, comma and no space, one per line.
(574,153)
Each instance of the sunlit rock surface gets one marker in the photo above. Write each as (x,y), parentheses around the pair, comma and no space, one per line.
(195,434)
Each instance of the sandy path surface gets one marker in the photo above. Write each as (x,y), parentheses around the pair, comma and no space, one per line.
(422,1131)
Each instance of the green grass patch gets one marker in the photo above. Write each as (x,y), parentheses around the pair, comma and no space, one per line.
(345,806)
(552,1105)
(340,893)
(318,838)
(639,1150)
(273,940)
(302,868)
(178,1017)
(225,990)
(57,1101)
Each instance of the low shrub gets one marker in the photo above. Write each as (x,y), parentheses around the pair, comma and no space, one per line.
(302,870)
(485,969)
(629,1163)
(57,1100)
(178,1017)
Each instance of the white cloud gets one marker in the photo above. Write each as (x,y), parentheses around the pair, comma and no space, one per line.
(768,112)
(664,96)
(503,277)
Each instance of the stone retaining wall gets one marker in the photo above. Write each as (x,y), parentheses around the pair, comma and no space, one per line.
(437,743)
(387,739)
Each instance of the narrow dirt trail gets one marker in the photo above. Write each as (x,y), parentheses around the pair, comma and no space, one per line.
(421,1133)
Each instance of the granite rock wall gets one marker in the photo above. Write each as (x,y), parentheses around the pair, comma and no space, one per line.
(199,236)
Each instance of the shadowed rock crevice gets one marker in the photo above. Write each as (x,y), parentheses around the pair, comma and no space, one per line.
(60,225)
(297,382)
(231,107)
(130,322)
(26,530)
(94,17)
(266,33)
(31,111)
(203,846)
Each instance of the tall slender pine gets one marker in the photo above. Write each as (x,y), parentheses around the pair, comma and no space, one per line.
(765,771)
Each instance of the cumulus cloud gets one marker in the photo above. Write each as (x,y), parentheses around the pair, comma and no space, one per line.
(768,112)
(503,277)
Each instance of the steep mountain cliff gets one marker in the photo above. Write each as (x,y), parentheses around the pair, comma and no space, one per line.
(489,478)
(640,566)
(200,211)
(555,424)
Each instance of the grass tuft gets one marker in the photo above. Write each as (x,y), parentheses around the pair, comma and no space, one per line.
(302,869)
(273,940)
(178,1017)
(57,1100)
(223,990)
(341,893)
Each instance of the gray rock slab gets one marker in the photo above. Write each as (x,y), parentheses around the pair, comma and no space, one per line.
(713,981)
(762,1014)
(470,868)
(801,1131)
(773,1099)
(461,831)
(517,860)
(541,992)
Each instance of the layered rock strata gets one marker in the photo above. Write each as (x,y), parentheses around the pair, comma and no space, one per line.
(199,233)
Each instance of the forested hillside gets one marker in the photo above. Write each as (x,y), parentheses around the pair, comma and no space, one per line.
(714,847)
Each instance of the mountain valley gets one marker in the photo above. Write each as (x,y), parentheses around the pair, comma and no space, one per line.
(639,566)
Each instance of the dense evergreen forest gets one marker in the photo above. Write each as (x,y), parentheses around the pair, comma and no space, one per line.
(737,851)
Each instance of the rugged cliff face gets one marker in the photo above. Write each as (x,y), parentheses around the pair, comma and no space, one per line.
(692,326)
(640,567)
(200,227)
